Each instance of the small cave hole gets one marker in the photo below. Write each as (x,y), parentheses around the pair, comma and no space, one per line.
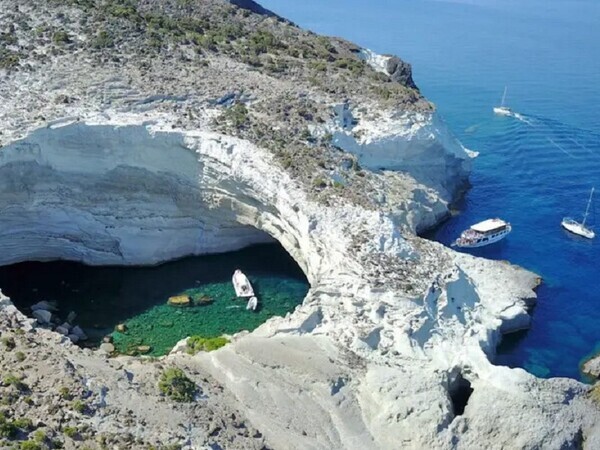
(460,391)
(132,309)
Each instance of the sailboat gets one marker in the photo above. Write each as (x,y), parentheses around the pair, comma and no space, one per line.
(503,110)
(579,228)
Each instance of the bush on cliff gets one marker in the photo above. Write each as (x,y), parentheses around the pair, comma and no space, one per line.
(197,344)
(176,385)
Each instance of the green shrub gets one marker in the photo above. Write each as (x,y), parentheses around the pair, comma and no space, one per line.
(176,385)
(79,406)
(61,37)
(197,344)
(9,343)
(7,428)
(102,40)
(23,423)
(320,183)
(30,445)
(39,436)
(8,58)
(20,356)
(13,380)
(65,393)
(237,115)
(70,431)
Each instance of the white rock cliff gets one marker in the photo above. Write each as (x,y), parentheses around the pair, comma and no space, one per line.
(394,331)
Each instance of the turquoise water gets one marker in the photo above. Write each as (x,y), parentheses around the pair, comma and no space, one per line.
(103,297)
(531,172)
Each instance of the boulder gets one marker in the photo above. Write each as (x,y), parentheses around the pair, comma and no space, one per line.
(107,348)
(143,349)
(71,317)
(79,333)
(74,338)
(592,367)
(43,305)
(62,330)
(67,326)
(400,72)
(179,300)
(42,316)
(121,328)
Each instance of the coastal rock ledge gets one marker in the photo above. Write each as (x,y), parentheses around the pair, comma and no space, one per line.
(136,132)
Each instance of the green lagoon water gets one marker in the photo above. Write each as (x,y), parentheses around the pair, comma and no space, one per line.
(103,297)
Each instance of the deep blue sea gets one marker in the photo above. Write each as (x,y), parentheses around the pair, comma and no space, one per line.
(532,171)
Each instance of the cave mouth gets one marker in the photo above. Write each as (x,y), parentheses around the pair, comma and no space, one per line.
(460,391)
(99,298)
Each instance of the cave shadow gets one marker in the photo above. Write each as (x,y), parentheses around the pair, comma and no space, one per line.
(105,296)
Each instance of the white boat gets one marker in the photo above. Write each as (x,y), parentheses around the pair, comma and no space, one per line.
(242,286)
(252,303)
(503,110)
(579,228)
(483,233)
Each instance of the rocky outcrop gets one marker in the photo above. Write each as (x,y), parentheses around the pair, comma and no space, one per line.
(400,71)
(150,160)
(592,367)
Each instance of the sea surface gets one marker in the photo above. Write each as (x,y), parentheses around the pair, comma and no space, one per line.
(533,169)
(103,297)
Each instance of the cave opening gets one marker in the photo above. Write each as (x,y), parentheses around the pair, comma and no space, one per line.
(460,391)
(101,300)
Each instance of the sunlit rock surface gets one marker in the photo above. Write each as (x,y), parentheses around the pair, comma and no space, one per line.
(146,160)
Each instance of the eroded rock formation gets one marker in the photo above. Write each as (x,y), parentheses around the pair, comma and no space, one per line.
(156,152)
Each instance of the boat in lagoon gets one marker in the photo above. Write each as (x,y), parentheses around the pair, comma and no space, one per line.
(252,304)
(579,228)
(241,284)
(503,110)
(483,233)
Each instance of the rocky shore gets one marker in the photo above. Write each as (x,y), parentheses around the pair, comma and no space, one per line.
(138,132)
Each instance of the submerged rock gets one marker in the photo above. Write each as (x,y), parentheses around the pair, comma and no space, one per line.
(43,305)
(42,316)
(62,330)
(179,300)
(140,168)
(77,331)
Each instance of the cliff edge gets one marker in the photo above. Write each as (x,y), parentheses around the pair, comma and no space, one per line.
(134,132)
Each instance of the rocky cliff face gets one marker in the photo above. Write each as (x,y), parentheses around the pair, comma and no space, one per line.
(137,132)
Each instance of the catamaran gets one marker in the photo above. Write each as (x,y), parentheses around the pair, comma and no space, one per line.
(503,110)
(579,228)
(483,233)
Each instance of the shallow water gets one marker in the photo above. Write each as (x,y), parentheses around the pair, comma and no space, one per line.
(103,297)
(532,170)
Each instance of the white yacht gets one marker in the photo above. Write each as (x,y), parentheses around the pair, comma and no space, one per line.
(503,110)
(579,228)
(483,233)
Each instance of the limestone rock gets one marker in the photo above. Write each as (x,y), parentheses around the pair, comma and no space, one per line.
(107,348)
(179,300)
(141,166)
(43,305)
(77,331)
(121,328)
(592,367)
(42,316)
(62,330)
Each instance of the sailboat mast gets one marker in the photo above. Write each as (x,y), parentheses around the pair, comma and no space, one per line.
(587,209)
(503,97)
